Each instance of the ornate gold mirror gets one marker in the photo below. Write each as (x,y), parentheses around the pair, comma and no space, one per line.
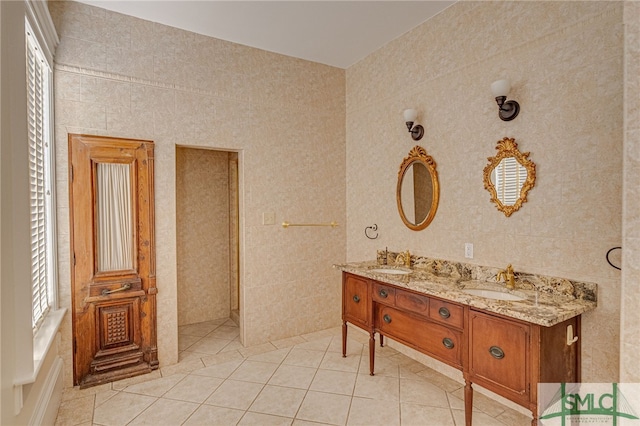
(509,176)
(418,189)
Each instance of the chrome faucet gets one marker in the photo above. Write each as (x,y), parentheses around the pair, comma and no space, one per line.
(508,276)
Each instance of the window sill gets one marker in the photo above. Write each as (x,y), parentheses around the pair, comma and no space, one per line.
(42,341)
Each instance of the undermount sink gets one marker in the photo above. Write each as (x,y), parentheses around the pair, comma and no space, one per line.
(495,294)
(390,271)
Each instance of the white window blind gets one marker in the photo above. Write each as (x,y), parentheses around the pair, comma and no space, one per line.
(40,171)
(510,176)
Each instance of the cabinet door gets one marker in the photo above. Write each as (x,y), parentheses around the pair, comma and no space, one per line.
(499,355)
(355,300)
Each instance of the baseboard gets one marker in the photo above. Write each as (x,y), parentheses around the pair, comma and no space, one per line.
(46,408)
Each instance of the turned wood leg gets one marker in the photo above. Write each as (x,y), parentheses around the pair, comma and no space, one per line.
(534,421)
(344,339)
(372,352)
(381,340)
(468,402)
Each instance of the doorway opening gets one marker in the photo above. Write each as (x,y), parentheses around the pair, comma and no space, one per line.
(207,242)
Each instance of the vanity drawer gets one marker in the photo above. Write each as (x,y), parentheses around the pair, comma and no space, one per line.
(446,313)
(384,294)
(355,300)
(412,302)
(498,352)
(426,336)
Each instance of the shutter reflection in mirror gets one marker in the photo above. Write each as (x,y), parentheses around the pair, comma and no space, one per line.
(509,178)
(114,214)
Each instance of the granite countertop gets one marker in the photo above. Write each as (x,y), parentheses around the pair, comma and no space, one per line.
(549,301)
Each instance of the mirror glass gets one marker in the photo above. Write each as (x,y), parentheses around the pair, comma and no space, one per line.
(509,176)
(417,191)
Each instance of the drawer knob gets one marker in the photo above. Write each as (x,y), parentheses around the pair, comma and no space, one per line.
(356,298)
(448,343)
(444,312)
(386,318)
(496,352)
(383,293)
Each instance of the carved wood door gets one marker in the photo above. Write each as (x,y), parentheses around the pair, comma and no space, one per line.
(113,267)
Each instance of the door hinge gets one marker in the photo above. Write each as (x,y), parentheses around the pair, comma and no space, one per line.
(75,345)
(74,259)
(71,171)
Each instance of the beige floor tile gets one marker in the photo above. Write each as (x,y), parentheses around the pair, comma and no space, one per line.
(122,408)
(298,422)
(512,417)
(200,329)
(258,349)
(382,388)
(287,343)
(371,412)
(383,366)
(354,347)
(221,371)
(304,358)
(194,388)
(330,381)
(335,361)
(208,415)
(76,392)
(440,380)
(165,412)
(278,401)
(325,408)
(479,419)
(75,411)
(233,346)
(234,394)
(221,358)
(275,356)
(225,332)
(157,387)
(293,376)
(259,419)
(102,397)
(187,340)
(122,384)
(420,415)
(186,366)
(253,371)
(209,345)
(423,393)
(321,344)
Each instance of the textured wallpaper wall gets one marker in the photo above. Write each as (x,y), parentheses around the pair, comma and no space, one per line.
(121,76)
(565,63)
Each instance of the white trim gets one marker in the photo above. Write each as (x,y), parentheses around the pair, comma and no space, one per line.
(40,20)
(42,341)
(49,399)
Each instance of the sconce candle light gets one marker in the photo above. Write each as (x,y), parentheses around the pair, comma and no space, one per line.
(507,110)
(416,131)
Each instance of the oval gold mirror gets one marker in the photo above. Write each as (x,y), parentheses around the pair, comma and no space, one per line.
(509,176)
(418,189)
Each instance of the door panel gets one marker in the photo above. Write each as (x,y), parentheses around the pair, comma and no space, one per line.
(113,279)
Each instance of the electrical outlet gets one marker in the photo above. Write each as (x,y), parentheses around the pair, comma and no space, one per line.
(268,218)
(468,250)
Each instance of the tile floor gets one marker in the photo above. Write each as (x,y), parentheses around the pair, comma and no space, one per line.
(298,381)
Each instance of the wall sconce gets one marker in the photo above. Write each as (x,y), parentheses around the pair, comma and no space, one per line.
(416,131)
(508,110)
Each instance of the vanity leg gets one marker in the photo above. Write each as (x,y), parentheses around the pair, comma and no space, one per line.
(344,339)
(372,352)
(381,340)
(468,402)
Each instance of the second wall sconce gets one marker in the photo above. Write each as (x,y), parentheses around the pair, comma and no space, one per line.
(416,131)
(508,110)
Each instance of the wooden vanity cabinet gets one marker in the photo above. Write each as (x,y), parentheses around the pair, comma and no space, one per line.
(502,354)
(510,357)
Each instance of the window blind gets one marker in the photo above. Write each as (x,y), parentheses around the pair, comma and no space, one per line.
(38,110)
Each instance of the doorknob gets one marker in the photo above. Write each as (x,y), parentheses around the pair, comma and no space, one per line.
(125,286)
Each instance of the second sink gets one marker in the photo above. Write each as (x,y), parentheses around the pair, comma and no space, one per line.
(495,294)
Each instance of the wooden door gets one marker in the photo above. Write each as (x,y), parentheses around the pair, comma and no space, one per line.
(113,268)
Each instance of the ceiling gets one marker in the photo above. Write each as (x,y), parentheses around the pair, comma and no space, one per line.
(337,33)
